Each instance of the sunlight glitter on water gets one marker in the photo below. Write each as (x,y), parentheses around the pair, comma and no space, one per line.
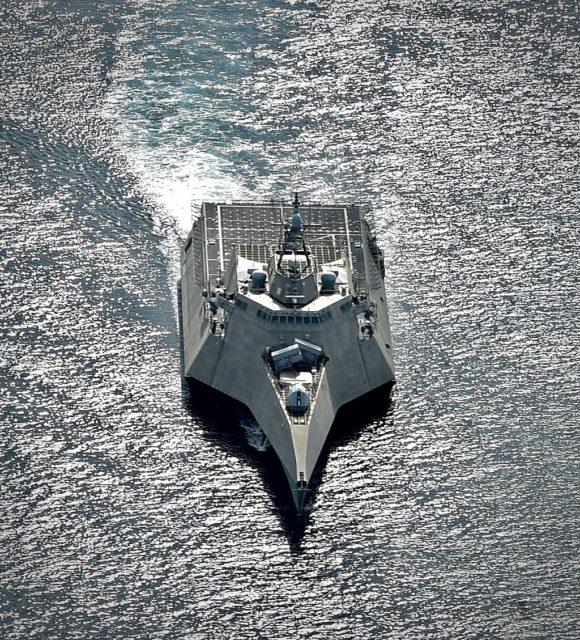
(133,509)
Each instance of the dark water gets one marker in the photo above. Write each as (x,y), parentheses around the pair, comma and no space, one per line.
(125,512)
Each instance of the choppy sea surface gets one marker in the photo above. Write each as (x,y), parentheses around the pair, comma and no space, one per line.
(132,508)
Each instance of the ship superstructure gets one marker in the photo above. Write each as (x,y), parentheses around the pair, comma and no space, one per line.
(284,309)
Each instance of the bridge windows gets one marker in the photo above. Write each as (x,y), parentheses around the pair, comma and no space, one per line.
(289,318)
(241,304)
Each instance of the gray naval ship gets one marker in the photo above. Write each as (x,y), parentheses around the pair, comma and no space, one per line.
(284,309)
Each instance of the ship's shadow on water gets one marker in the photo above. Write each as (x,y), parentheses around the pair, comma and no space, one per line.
(230,425)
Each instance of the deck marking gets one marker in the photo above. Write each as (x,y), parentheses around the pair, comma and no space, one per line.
(220,238)
(348,237)
(207,277)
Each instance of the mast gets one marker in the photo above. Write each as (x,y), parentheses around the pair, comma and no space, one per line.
(293,237)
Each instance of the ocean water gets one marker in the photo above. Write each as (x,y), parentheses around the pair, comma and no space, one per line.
(132,508)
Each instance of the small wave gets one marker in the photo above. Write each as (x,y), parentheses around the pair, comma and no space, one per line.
(175,177)
(255,437)
(160,124)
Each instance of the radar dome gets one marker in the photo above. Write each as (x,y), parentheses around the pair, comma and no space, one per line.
(258,281)
(298,399)
(327,282)
(295,223)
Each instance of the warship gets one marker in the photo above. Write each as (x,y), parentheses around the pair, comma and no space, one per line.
(284,309)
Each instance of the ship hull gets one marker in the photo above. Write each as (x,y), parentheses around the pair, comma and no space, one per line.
(234,359)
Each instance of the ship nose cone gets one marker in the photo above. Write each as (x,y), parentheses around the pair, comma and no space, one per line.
(301,497)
